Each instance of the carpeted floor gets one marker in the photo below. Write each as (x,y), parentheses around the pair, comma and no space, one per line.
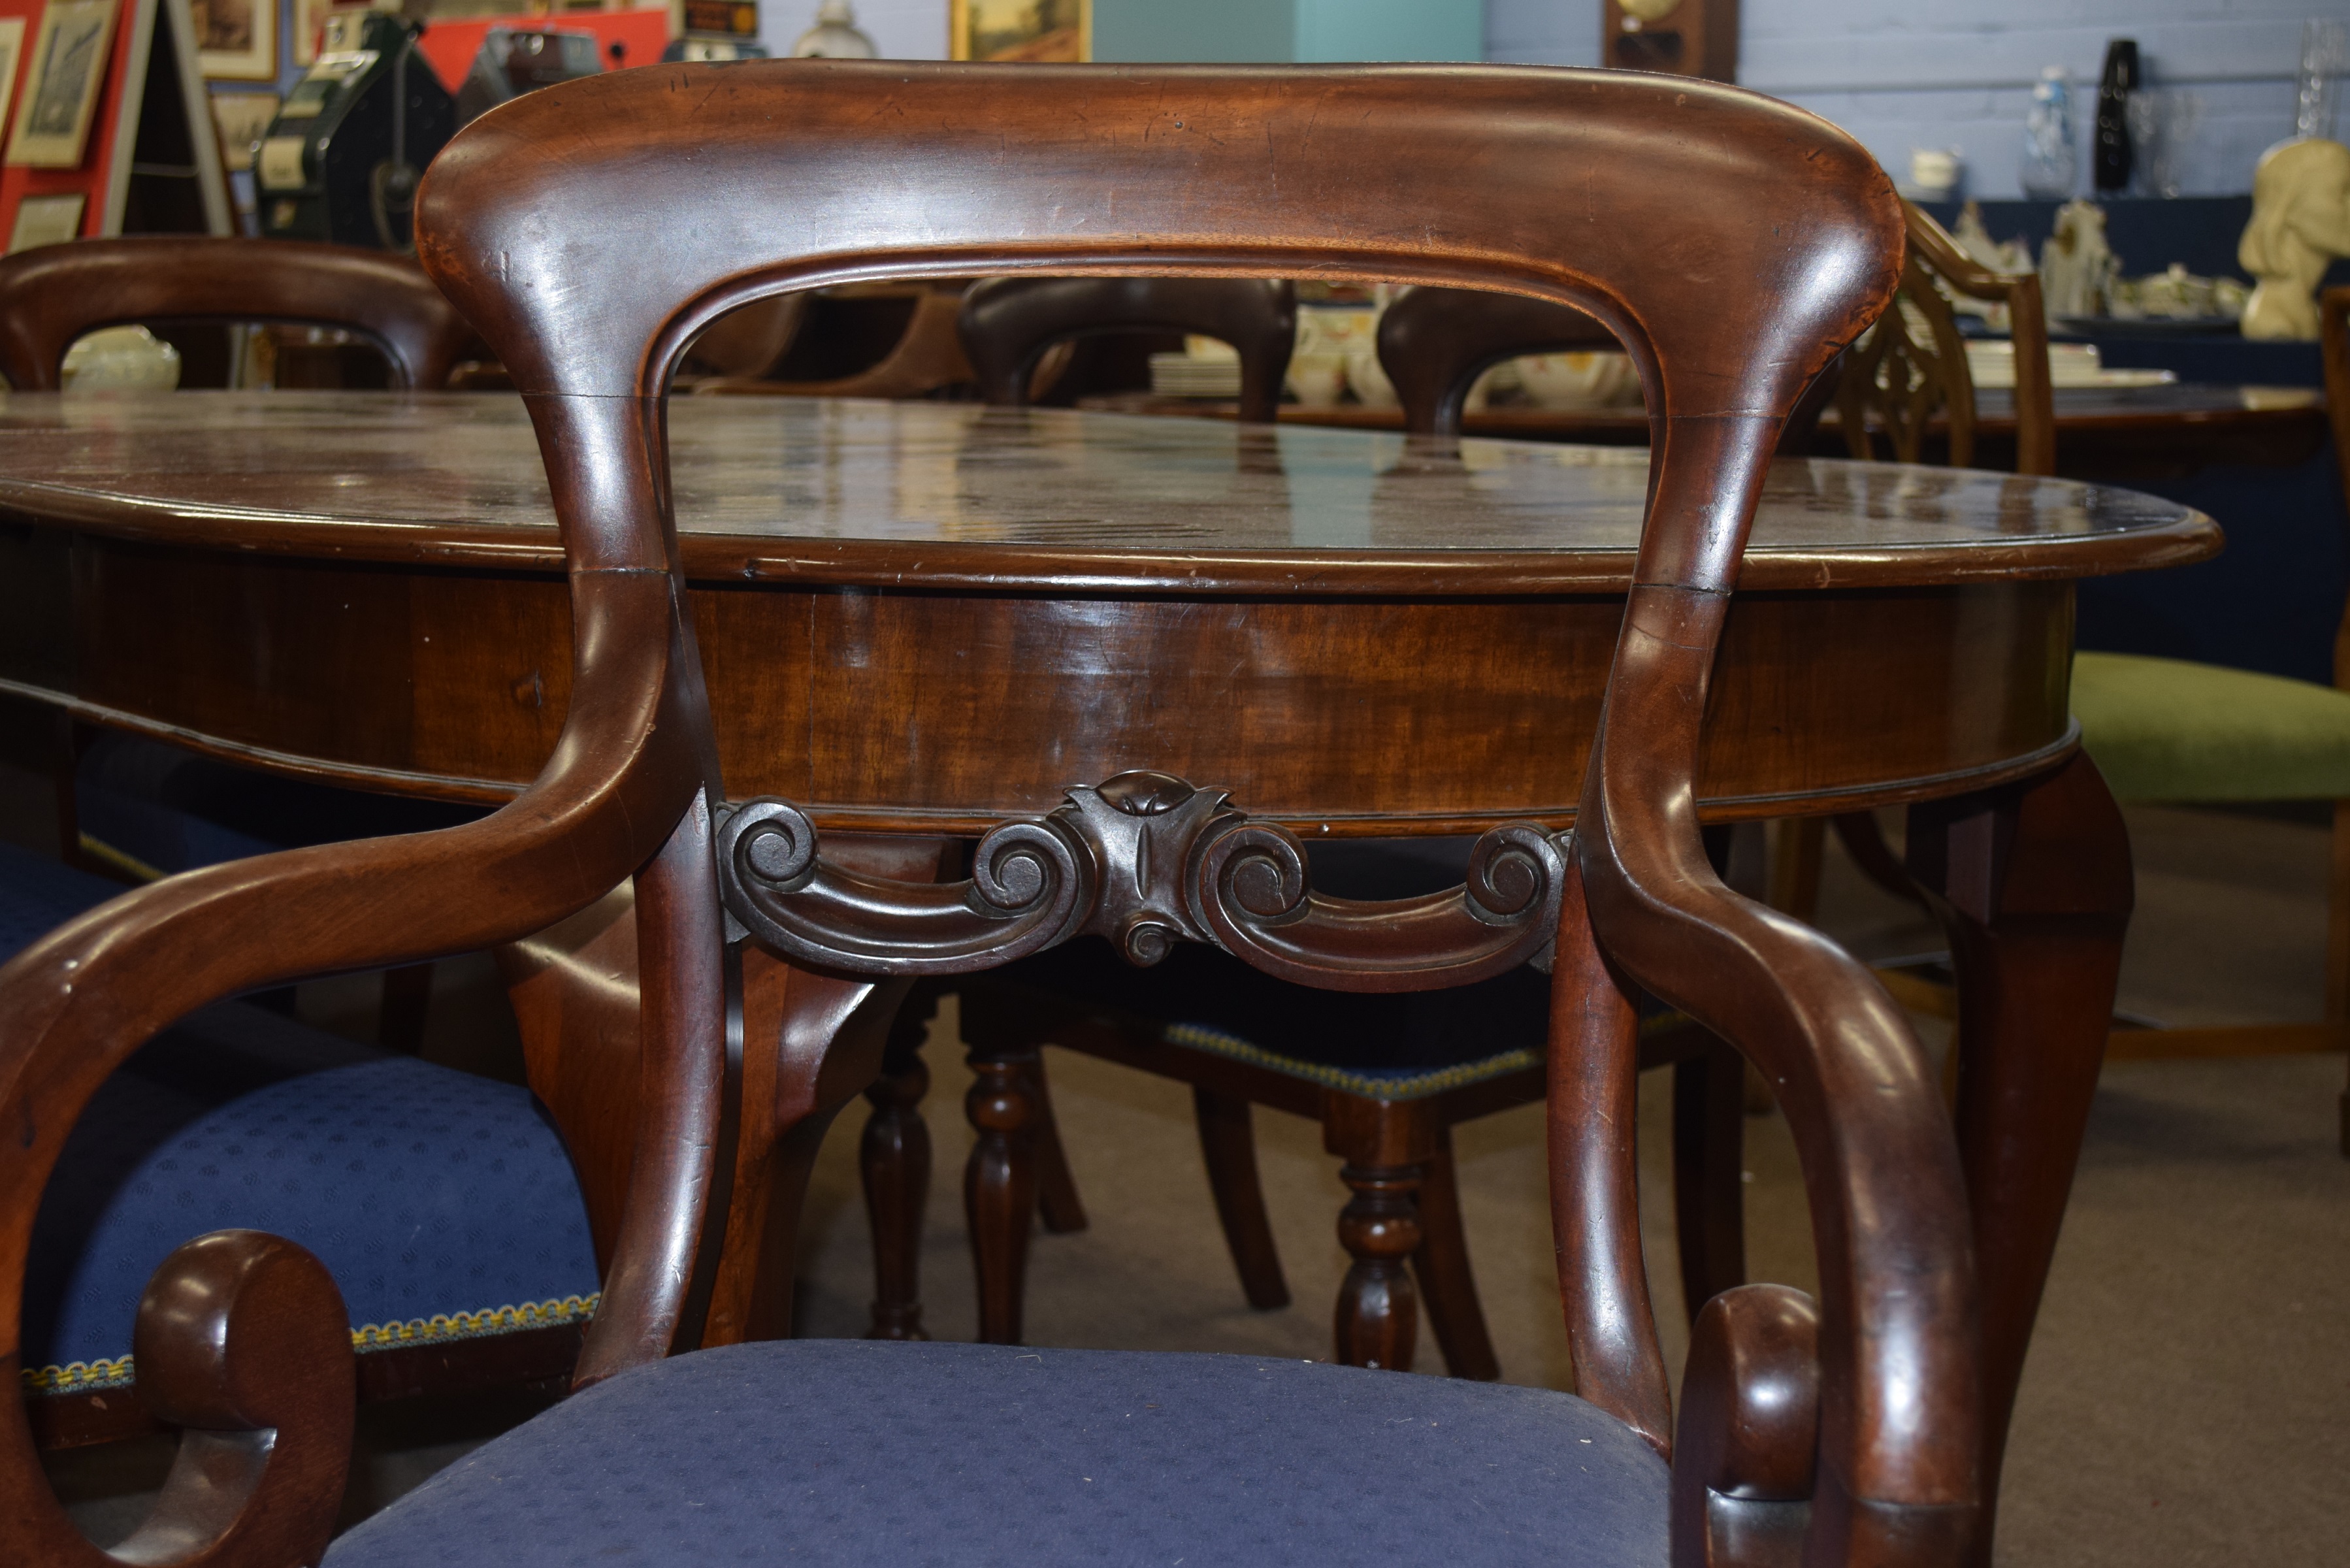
(2188,1399)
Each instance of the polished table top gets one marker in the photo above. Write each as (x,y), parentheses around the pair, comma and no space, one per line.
(957,494)
(2124,433)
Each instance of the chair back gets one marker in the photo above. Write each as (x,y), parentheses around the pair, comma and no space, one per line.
(1435,342)
(1008,323)
(1732,244)
(1914,365)
(51,295)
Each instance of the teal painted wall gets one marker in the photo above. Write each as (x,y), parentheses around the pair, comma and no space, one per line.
(1228,32)
(1279,30)
(1390,29)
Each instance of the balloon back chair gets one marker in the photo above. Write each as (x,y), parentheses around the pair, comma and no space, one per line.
(130,806)
(1010,323)
(184,1133)
(2170,731)
(590,232)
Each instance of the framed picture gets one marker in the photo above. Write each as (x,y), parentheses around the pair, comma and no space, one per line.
(12,55)
(45,221)
(236,39)
(1033,30)
(70,55)
(241,118)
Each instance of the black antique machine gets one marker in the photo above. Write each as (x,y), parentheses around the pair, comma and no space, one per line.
(342,158)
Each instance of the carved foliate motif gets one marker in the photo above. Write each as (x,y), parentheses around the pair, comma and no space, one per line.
(1144,860)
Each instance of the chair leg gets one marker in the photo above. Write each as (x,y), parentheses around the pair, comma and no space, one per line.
(999,1184)
(1455,1317)
(1796,846)
(1864,841)
(1228,1144)
(2337,949)
(407,1000)
(1709,1172)
(894,1159)
(1386,1147)
(1056,1189)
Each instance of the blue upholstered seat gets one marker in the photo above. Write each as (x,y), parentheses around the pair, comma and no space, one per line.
(864,1452)
(154,809)
(443,1203)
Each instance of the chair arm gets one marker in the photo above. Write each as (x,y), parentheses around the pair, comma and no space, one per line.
(76,1003)
(1750,1429)
(1900,1405)
(242,1343)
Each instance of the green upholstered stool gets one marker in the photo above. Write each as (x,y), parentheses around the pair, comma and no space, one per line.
(2164,730)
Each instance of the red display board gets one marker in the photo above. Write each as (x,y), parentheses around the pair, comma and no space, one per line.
(133,20)
(148,38)
(451,46)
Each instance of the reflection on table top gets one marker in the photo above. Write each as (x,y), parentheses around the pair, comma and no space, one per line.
(960,494)
(2151,408)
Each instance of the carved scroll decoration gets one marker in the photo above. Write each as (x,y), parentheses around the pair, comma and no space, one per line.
(1144,860)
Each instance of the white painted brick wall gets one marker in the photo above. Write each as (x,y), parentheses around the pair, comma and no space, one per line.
(1900,74)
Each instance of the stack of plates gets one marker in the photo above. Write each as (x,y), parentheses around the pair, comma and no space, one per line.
(1190,375)
(1991,363)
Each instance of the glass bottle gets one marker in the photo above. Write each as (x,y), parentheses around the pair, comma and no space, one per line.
(2050,166)
(2113,153)
(2324,59)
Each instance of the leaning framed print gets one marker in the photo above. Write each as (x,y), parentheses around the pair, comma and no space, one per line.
(1025,30)
(45,221)
(237,40)
(12,55)
(69,60)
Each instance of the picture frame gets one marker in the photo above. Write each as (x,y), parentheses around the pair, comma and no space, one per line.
(12,55)
(69,57)
(47,220)
(237,40)
(242,119)
(1030,31)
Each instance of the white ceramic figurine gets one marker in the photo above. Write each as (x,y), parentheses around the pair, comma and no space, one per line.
(2300,221)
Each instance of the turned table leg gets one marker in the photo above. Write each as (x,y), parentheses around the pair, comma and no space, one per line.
(894,1159)
(2031,881)
(999,1184)
(1387,1148)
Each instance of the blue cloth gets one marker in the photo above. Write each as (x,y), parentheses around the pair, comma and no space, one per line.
(169,810)
(429,1193)
(855,1452)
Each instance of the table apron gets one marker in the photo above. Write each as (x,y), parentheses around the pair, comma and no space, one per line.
(947,711)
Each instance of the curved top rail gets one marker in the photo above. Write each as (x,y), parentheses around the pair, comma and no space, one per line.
(1733,243)
(53,294)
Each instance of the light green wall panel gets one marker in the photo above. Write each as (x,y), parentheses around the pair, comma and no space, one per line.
(1390,30)
(1280,30)
(1231,32)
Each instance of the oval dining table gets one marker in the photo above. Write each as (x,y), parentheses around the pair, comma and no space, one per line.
(920,620)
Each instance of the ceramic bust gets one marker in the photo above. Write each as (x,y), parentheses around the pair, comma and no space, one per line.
(2077,265)
(2301,221)
(835,36)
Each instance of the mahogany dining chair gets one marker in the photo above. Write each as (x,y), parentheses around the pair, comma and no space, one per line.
(2171,731)
(1010,323)
(131,805)
(1848,1432)
(216,1123)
